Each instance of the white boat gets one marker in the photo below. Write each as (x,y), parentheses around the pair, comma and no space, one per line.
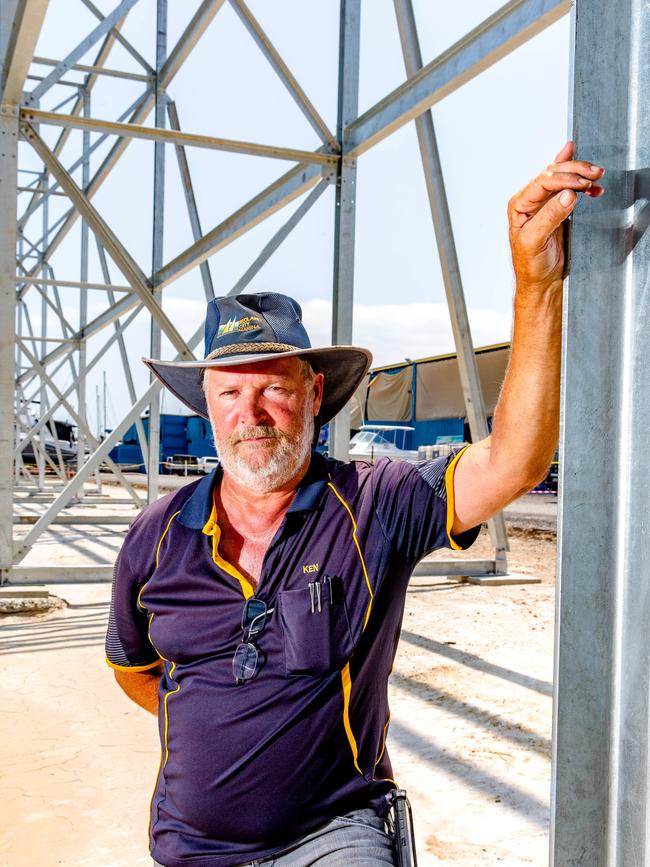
(376,441)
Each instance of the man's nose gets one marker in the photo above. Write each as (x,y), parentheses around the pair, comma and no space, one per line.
(252,410)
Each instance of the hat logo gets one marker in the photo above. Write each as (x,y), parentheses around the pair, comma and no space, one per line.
(247,323)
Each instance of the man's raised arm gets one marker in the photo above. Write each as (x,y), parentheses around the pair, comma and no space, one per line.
(515,457)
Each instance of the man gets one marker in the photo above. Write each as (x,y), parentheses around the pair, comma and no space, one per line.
(258,610)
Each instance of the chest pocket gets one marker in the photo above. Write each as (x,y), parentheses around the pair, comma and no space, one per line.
(315,627)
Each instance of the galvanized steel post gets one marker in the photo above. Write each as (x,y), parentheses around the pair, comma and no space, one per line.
(435,183)
(8,216)
(153,464)
(602,708)
(344,218)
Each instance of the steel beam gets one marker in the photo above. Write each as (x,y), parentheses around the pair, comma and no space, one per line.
(36,199)
(435,184)
(126,365)
(83,427)
(274,197)
(94,462)
(61,574)
(115,35)
(74,284)
(124,261)
(20,26)
(190,199)
(493,39)
(193,32)
(77,53)
(95,70)
(158,227)
(283,232)
(8,183)
(601,762)
(95,360)
(287,188)
(82,401)
(345,208)
(282,70)
(170,136)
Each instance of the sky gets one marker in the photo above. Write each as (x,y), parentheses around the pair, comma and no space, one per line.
(494,134)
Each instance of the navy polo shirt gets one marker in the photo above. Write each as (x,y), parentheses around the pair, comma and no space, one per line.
(246,770)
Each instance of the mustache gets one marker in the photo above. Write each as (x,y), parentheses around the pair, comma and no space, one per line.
(256,431)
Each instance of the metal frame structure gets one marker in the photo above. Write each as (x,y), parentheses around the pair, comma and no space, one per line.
(600,776)
(33,237)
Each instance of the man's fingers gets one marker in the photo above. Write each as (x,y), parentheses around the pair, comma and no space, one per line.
(534,196)
(566,153)
(549,218)
(579,167)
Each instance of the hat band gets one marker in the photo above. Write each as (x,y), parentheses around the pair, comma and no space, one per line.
(242,348)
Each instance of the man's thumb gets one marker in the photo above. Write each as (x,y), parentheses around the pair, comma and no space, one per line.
(552,215)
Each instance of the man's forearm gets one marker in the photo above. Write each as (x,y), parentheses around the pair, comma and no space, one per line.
(141,687)
(493,472)
(526,420)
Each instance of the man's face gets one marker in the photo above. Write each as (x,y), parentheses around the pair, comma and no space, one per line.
(262,417)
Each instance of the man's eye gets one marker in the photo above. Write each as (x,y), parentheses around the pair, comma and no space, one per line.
(276,388)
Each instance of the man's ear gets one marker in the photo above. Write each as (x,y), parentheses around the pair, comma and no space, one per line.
(319,385)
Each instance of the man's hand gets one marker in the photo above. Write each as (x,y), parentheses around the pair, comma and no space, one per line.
(515,457)
(536,215)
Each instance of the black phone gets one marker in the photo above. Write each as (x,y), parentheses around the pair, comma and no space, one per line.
(403,832)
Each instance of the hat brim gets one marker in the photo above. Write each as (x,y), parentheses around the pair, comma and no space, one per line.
(344,368)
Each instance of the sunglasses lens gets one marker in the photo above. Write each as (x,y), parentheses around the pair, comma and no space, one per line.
(244,664)
(254,615)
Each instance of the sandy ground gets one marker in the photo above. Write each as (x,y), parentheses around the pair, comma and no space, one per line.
(469,737)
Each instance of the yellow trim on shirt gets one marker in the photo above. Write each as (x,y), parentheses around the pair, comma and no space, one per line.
(449,487)
(160,541)
(133,668)
(383,743)
(356,542)
(346,682)
(213,529)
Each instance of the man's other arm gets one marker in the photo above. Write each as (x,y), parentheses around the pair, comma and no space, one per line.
(141,686)
(515,457)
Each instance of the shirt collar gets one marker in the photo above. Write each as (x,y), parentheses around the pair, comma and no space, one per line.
(198,508)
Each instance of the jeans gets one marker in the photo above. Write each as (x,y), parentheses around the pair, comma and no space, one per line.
(358,839)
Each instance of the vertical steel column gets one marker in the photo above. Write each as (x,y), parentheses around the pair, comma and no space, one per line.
(602,705)
(467,366)
(8,217)
(344,218)
(42,407)
(153,457)
(83,294)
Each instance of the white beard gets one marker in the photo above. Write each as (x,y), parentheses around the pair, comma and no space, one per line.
(280,464)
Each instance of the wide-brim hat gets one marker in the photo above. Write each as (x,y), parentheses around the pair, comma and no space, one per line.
(245,329)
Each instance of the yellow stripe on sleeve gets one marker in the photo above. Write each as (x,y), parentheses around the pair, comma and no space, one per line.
(133,668)
(449,487)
